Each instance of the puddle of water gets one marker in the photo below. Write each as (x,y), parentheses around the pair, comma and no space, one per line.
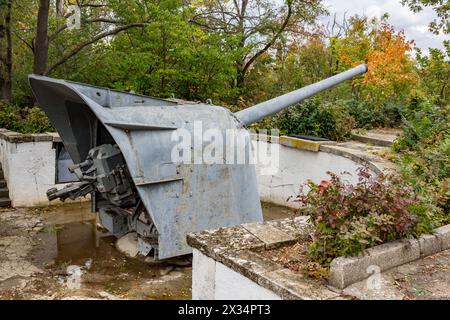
(71,235)
(275,212)
(71,238)
(76,241)
(68,213)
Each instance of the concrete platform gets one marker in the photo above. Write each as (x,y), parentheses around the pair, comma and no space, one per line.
(231,264)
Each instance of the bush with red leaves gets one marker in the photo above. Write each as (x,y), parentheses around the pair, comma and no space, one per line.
(350,218)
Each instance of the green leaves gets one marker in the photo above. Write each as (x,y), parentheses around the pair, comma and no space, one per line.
(31,120)
(423,151)
(317,118)
(442,9)
(434,71)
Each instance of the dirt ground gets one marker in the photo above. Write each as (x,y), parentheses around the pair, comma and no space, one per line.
(293,256)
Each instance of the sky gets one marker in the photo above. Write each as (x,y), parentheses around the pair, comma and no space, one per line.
(415,25)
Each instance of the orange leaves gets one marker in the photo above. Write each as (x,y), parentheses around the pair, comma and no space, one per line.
(387,54)
(390,66)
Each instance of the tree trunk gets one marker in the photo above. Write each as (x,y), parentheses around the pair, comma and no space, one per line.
(5,51)
(60,8)
(240,75)
(240,78)
(41,42)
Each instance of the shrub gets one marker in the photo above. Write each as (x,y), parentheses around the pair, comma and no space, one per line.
(36,122)
(368,116)
(350,218)
(9,117)
(27,120)
(326,120)
(423,123)
(423,151)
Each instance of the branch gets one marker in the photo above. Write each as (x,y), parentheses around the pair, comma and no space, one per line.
(88,5)
(89,42)
(105,20)
(91,5)
(206,26)
(271,42)
(28,44)
(64,27)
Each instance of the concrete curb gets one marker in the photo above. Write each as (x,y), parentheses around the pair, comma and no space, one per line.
(345,271)
(291,142)
(300,144)
(371,140)
(16,137)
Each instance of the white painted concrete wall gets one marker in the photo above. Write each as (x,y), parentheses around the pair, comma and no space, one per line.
(296,167)
(212,280)
(29,169)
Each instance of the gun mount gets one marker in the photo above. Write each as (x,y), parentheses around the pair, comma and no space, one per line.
(122,146)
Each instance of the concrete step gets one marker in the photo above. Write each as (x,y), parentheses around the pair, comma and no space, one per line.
(1,175)
(5,202)
(377,137)
(4,193)
(3,184)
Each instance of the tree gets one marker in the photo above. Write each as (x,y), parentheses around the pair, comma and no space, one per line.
(295,65)
(5,50)
(441,7)
(98,22)
(434,71)
(255,26)
(168,57)
(40,45)
(391,68)
(391,74)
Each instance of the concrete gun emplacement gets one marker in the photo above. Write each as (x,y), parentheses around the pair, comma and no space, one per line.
(121,145)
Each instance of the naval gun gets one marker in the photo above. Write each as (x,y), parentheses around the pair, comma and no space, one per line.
(122,147)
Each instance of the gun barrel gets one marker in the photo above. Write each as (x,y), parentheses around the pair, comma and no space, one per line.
(262,110)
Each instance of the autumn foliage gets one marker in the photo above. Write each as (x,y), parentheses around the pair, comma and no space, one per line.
(386,52)
(350,218)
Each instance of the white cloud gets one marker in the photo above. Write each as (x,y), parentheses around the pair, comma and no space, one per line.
(415,25)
